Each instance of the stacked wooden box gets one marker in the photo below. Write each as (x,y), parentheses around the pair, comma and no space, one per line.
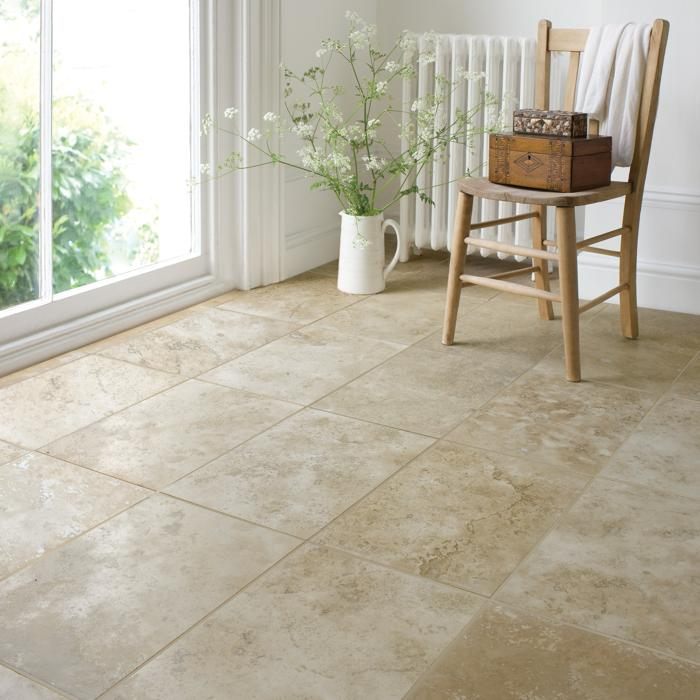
(550,150)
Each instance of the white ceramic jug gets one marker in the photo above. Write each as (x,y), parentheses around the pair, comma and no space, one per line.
(361,262)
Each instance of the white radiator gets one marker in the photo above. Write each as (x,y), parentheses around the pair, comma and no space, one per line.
(509,65)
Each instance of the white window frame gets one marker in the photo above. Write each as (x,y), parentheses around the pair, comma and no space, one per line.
(239,215)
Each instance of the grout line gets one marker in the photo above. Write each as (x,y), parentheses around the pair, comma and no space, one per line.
(81,356)
(34,679)
(203,619)
(563,516)
(94,470)
(447,647)
(381,483)
(525,457)
(239,518)
(548,620)
(43,447)
(61,545)
(572,469)
(397,570)
(597,633)
(367,420)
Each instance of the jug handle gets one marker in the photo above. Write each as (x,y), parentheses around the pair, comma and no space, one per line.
(395,259)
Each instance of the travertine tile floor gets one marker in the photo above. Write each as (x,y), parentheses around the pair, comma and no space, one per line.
(293,493)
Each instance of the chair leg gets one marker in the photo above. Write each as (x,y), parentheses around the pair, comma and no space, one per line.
(568,275)
(539,233)
(629,319)
(458,252)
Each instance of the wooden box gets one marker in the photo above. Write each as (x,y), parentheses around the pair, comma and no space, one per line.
(549,163)
(550,122)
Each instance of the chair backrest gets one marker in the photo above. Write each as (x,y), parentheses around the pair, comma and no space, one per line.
(573,41)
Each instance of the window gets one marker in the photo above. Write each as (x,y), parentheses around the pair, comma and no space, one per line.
(99,135)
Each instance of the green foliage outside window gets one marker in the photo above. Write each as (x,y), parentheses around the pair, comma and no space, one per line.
(89,196)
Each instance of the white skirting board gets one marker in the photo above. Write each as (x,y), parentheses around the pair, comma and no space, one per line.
(74,334)
(668,269)
(305,250)
(659,285)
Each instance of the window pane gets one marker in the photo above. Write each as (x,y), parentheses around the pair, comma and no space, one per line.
(121,137)
(19,151)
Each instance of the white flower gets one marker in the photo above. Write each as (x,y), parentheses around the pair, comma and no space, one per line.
(360,242)
(205,168)
(339,161)
(464,74)
(360,33)
(207,123)
(408,42)
(254,134)
(309,158)
(417,104)
(230,112)
(419,153)
(429,50)
(304,131)
(392,67)
(233,160)
(372,163)
(271,117)
(321,51)
(380,87)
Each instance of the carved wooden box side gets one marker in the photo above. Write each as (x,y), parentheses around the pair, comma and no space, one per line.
(545,163)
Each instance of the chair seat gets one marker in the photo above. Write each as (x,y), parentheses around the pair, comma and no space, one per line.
(481,187)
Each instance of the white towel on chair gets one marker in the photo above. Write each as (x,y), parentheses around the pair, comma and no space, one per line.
(610,80)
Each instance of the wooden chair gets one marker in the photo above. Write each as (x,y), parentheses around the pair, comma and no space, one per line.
(572,41)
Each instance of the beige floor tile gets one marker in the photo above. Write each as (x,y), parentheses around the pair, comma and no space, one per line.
(431,274)
(333,627)
(457,515)
(199,341)
(134,331)
(509,655)
(399,315)
(329,269)
(648,364)
(302,299)
(87,614)
(169,435)
(303,366)
(624,562)
(423,391)
(544,417)
(303,472)
(688,383)
(664,451)
(9,452)
(45,502)
(59,401)
(33,370)
(16,687)
(501,329)
(666,327)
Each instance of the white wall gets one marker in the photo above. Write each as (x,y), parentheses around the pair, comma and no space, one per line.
(310,219)
(500,17)
(669,250)
(669,243)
